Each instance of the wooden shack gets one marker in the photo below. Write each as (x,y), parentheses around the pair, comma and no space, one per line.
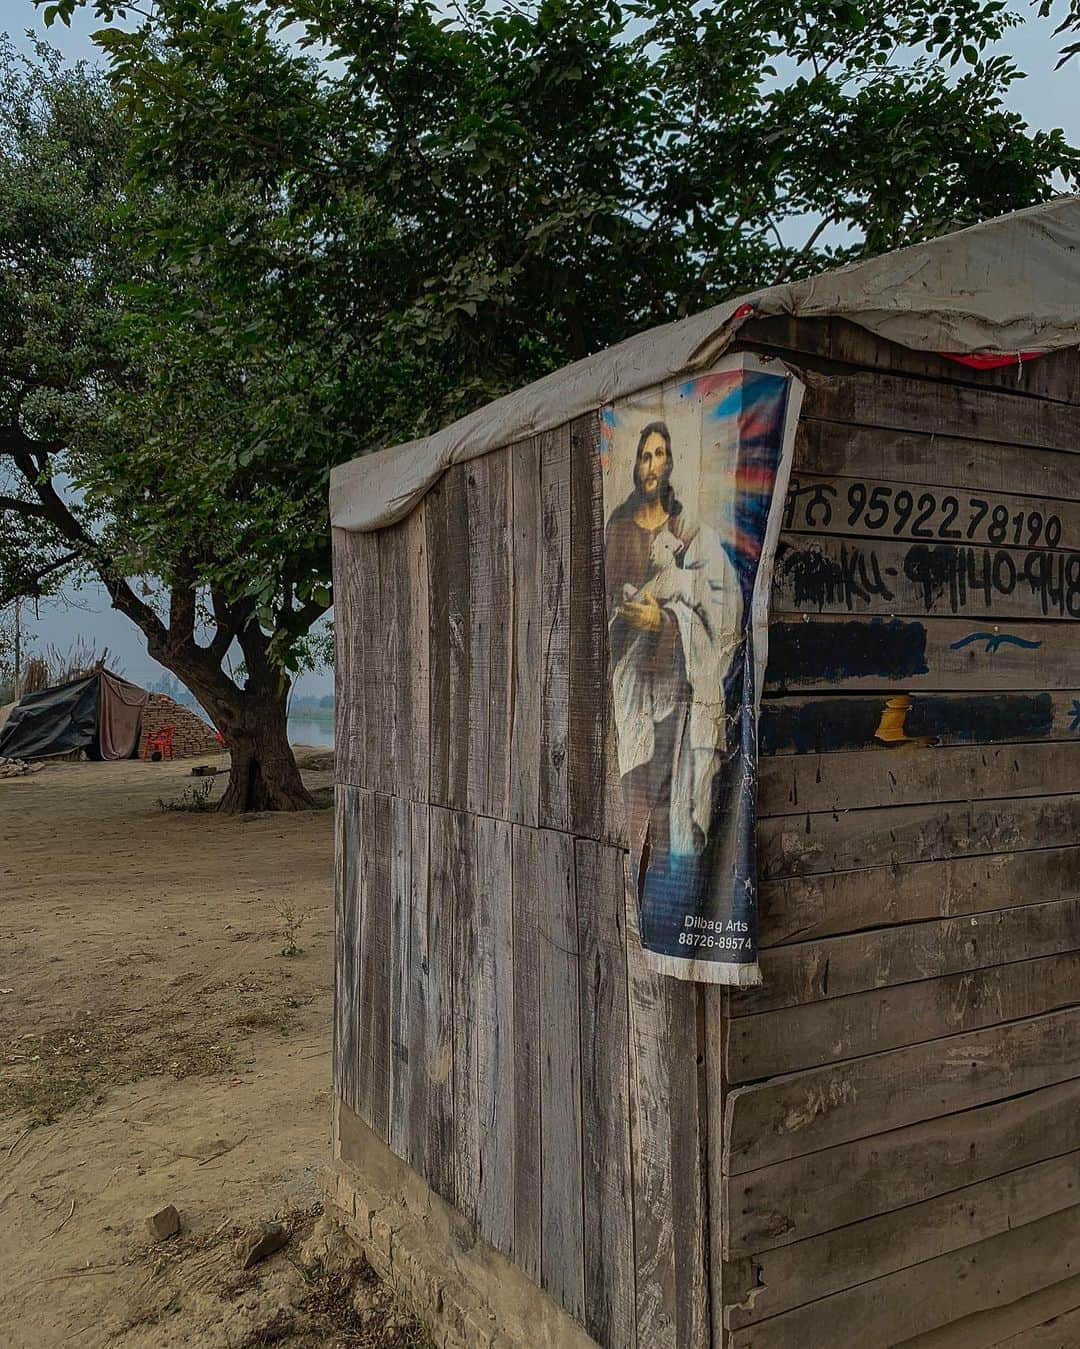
(542,1139)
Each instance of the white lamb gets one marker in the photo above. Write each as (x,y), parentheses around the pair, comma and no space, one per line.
(666,581)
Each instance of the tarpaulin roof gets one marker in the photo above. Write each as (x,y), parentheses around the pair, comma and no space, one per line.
(99,712)
(1009,285)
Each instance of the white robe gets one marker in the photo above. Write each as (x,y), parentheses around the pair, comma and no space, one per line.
(700,592)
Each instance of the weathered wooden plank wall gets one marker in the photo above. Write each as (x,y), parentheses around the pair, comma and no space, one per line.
(841,1155)
(901,1090)
(515,1052)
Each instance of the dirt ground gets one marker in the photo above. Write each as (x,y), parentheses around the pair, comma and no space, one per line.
(165,1015)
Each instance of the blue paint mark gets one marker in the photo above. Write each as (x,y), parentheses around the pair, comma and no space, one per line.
(993,640)
(609,417)
(1074,712)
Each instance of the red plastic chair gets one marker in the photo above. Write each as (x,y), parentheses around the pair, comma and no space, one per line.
(159,743)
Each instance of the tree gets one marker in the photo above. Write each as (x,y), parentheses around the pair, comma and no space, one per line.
(348,239)
(542,179)
(1067,12)
(109,494)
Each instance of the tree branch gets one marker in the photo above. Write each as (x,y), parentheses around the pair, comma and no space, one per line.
(803,254)
(60,515)
(18,507)
(29,582)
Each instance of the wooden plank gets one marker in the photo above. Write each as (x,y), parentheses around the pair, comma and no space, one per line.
(417,656)
(422,1010)
(526,958)
(399,973)
(475,730)
(685,1049)
(791,845)
(899,1306)
(459,612)
(588,631)
(346,933)
(350,734)
(650,1144)
(500,656)
(394,734)
(834,723)
(1018,1325)
(864,507)
(379,618)
(838,966)
(614,824)
(819,573)
(792,1275)
(793,1038)
(555,628)
(366,667)
(605,1096)
(368,973)
(837,450)
(461,898)
(527,632)
(912,774)
(1058,1333)
(714,997)
(820,1107)
(801,908)
(1054,375)
(444,861)
(562,1237)
(902,404)
(439,662)
(837,652)
(378,927)
(823,1191)
(492,880)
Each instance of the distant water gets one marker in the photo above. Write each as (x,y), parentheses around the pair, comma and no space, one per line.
(305,729)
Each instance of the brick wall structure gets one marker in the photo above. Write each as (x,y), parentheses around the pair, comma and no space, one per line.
(193,738)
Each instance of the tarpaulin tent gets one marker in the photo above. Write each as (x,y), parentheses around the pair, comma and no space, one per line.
(99,713)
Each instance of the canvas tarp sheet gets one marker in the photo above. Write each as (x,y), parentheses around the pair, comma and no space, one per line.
(1008,286)
(120,706)
(53,721)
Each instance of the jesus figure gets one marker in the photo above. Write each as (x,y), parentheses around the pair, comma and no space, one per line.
(675,624)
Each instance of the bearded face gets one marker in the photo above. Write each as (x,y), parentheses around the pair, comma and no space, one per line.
(653,466)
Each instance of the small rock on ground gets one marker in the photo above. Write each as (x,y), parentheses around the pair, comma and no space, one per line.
(259,1242)
(164,1223)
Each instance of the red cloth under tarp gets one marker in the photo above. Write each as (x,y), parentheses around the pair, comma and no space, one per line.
(986,361)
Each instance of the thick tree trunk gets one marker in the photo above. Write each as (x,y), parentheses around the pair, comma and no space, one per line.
(263,774)
(253,721)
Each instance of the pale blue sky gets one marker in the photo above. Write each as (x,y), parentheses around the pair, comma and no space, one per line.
(1046,99)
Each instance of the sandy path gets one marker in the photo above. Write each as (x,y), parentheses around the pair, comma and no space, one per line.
(145,948)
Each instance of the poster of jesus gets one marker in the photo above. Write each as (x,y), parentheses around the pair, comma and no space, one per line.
(694,480)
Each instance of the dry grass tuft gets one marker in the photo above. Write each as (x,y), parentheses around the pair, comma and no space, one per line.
(198,798)
(265,1018)
(47,1075)
(356,1308)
